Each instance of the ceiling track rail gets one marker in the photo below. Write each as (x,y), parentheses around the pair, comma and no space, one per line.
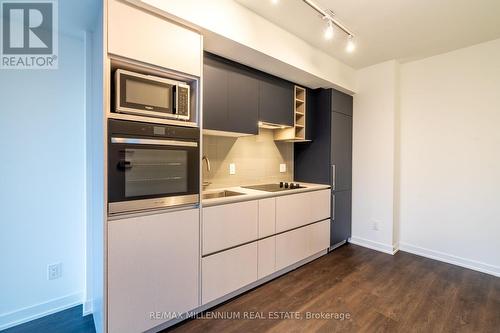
(329,15)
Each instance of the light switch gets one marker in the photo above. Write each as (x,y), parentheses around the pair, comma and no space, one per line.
(282,167)
(232,168)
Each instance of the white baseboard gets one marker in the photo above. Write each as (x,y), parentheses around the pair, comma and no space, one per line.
(39,310)
(451,259)
(382,247)
(87,307)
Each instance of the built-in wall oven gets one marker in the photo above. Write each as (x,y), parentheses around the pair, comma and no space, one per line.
(151,166)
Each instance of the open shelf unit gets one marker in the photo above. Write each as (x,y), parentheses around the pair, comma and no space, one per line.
(297,133)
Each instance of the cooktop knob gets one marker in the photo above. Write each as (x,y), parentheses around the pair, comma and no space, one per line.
(286,185)
(281,184)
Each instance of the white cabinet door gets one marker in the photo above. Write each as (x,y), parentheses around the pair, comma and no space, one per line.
(267,217)
(319,236)
(298,244)
(227,271)
(152,266)
(137,34)
(296,210)
(291,246)
(229,225)
(320,202)
(267,256)
(292,211)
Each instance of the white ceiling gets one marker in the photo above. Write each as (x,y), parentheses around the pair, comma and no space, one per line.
(388,29)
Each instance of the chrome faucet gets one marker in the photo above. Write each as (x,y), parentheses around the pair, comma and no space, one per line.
(205,158)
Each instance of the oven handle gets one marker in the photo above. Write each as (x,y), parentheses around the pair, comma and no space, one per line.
(155,142)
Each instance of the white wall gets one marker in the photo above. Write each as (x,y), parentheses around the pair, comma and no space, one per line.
(450,156)
(374,149)
(238,33)
(426,157)
(42,191)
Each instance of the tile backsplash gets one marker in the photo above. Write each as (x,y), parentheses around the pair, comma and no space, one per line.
(257,159)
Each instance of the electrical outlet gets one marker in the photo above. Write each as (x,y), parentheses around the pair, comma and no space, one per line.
(282,167)
(232,168)
(54,271)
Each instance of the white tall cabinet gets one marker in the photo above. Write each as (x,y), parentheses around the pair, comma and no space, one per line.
(151,260)
(153,265)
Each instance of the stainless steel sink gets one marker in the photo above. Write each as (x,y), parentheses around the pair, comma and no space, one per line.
(220,194)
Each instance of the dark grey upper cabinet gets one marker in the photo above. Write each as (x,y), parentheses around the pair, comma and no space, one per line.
(242,102)
(275,101)
(341,153)
(341,102)
(215,78)
(230,96)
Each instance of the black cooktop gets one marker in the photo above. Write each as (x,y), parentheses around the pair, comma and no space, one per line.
(275,187)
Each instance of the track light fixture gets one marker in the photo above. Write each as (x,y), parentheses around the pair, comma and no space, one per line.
(328,15)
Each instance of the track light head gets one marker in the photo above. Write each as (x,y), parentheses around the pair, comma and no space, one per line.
(350,46)
(329,30)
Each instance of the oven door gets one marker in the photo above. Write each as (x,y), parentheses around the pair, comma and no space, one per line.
(151,173)
(145,95)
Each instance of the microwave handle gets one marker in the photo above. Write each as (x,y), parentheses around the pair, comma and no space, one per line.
(174,99)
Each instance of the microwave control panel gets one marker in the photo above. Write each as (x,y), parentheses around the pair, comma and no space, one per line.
(183,102)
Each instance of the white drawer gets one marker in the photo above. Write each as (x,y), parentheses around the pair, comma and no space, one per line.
(296,210)
(227,271)
(298,244)
(229,225)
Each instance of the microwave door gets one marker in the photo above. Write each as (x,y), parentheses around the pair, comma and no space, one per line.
(143,95)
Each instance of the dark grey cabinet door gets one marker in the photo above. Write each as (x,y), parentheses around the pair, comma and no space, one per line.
(230,96)
(242,102)
(341,218)
(276,101)
(341,102)
(215,80)
(341,154)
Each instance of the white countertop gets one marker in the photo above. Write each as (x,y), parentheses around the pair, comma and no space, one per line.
(250,194)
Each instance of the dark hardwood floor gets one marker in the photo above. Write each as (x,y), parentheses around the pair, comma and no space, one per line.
(379,292)
(67,321)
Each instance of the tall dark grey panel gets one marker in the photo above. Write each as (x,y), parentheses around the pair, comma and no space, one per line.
(341,154)
(341,102)
(330,122)
(341,223)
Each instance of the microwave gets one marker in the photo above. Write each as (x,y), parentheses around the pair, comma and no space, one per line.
(151,96)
